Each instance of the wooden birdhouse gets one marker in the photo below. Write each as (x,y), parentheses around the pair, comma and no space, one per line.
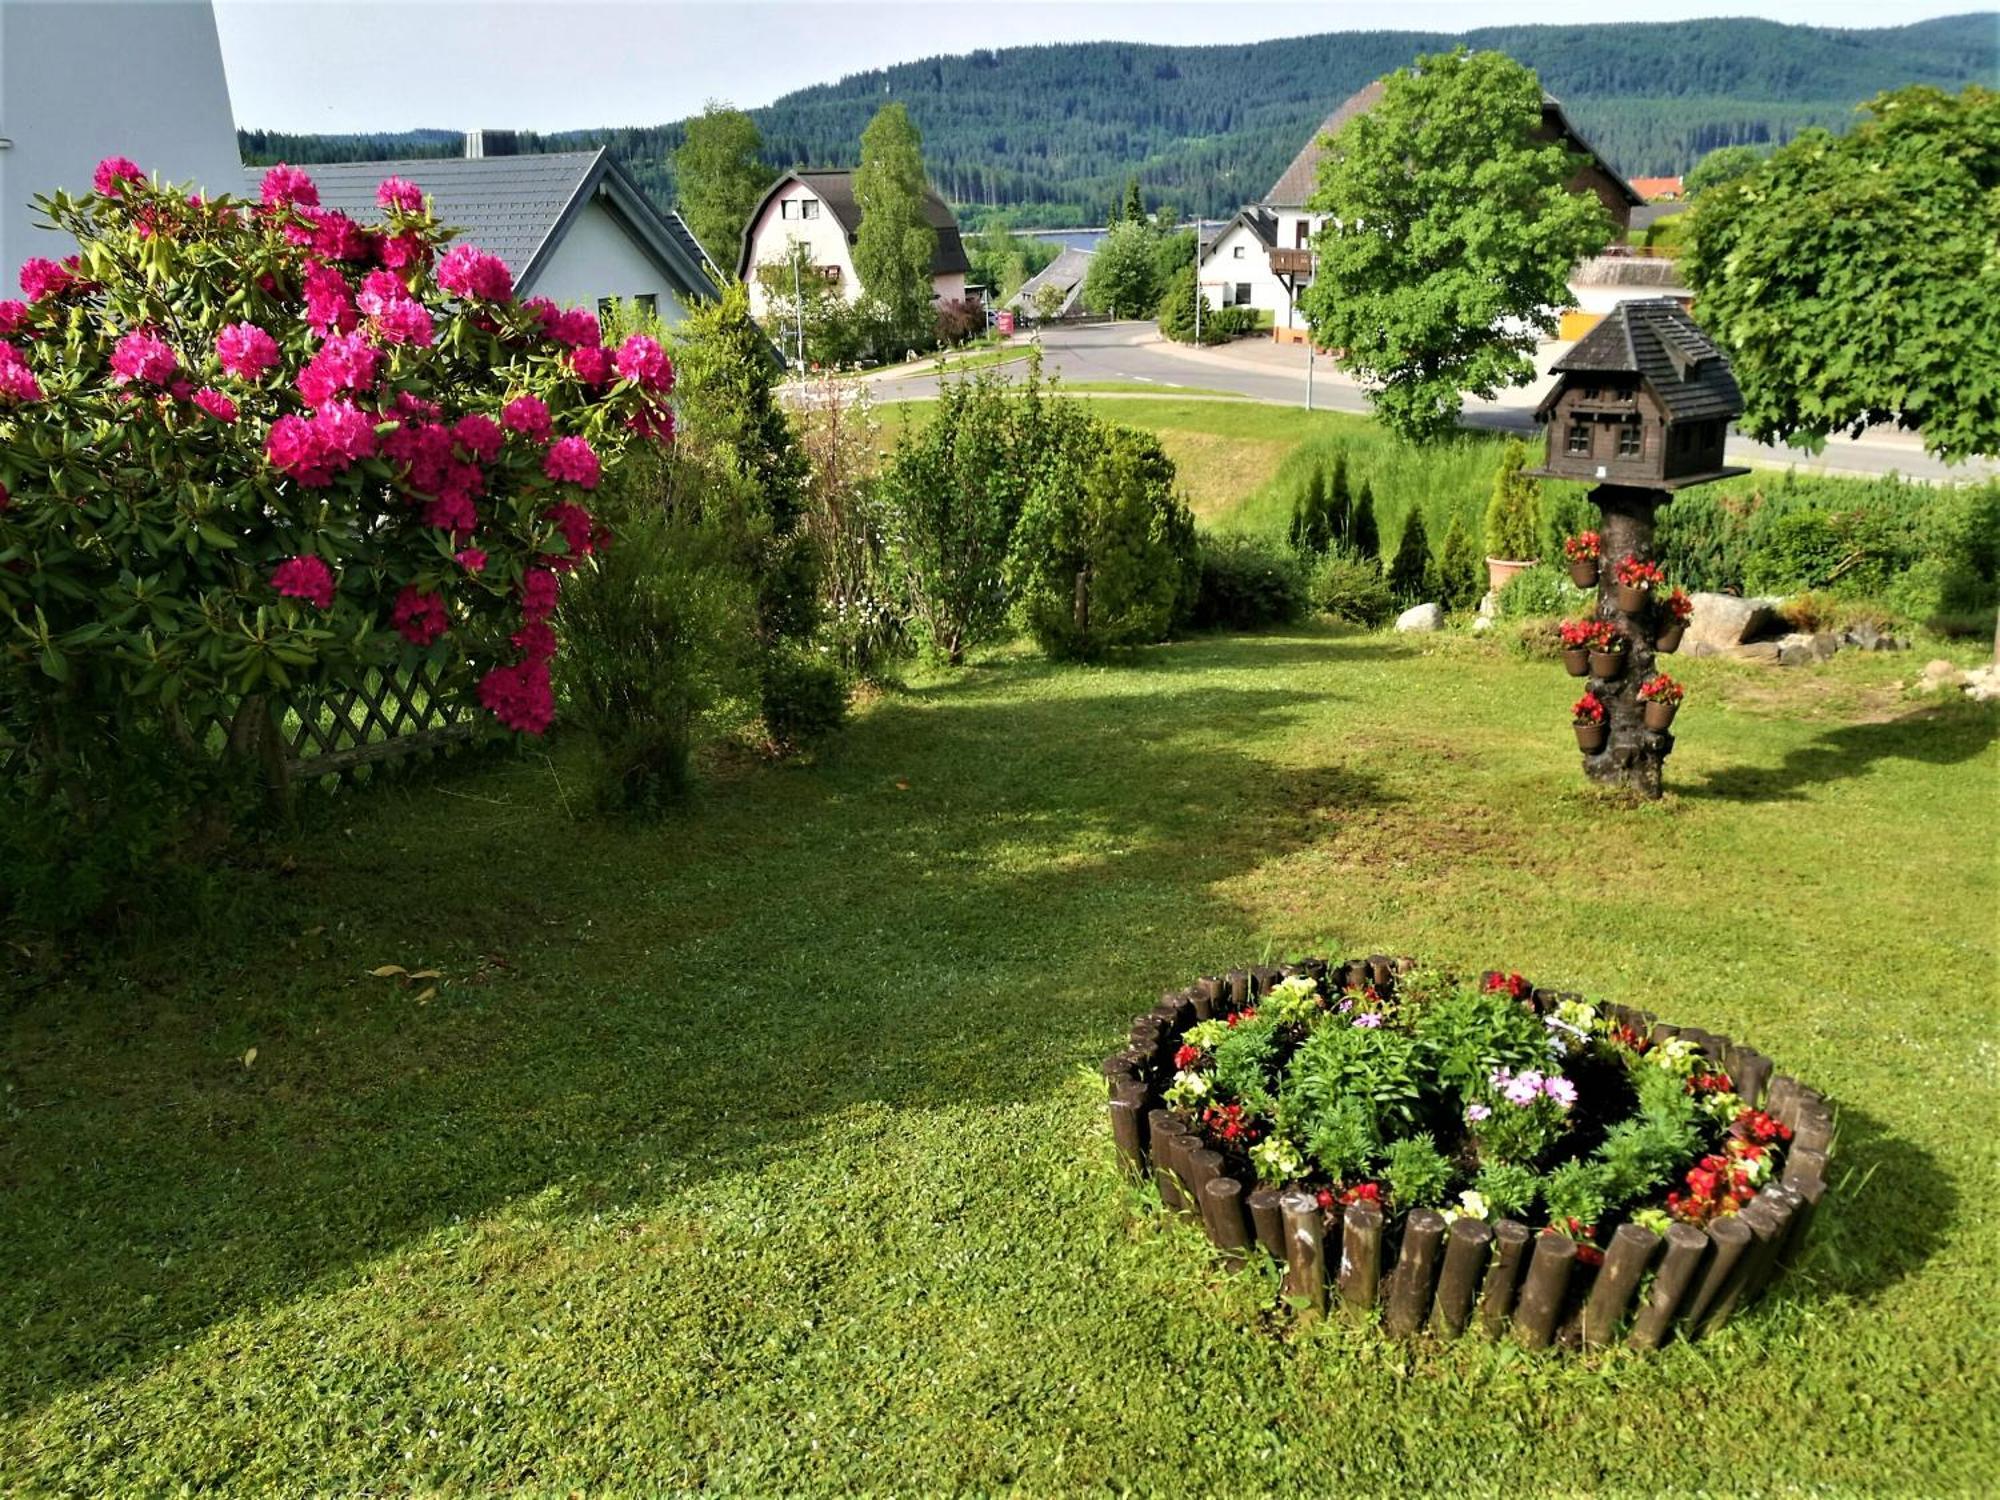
(1643,400)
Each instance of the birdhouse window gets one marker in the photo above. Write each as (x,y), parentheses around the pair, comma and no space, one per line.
(1579,437)
(1628,440)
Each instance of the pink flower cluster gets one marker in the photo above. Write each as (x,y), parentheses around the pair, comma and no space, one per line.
(520,696)
(329,301)
(420,618)
(642,361)
(399,317)
(579,533)
(113,171)
(305,578)
(215,404)
(13,314)
(315,450)
(573,461)
(1524,1088)
(17,381)
(529,416)
(441,464)
(574,328)
(144,356)
(345,362)
(246,351)
(288,187)
(44,278)
(398,196)
(467,271)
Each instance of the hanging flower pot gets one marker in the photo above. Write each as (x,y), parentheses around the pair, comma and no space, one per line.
(1587,713)
(1661,696)
(1679,608)
(1635,581)
(1582,552)
(1577,636)
(1607,653)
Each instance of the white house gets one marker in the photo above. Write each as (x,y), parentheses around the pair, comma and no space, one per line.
(817,210)
(1283,227)
(82,82)
(571,225)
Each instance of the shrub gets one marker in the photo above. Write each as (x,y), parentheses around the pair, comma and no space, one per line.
(1541,590)
(803,697)
(1460,569)
(861,615)
(952,491)
(1320,509)
(1514,514)
(1362,530)
(1349,587)
(256,449)
(1246,583)
(1417,1173)
(659,625)
(958,320)
(1413,574)
(1104,554)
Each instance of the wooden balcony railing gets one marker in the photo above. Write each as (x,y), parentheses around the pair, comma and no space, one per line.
(1291,262)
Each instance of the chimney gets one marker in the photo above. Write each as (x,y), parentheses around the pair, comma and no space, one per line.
(481,143)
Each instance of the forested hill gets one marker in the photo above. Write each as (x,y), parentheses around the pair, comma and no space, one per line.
(1055,130)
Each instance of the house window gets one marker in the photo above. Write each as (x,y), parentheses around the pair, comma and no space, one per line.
(1628,440)
(1579,438)
(808,208)
(1301,232)
(1237,252)
(647,303)
(789,209)
(1242,294)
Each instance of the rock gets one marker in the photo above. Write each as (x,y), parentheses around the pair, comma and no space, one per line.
(1482,624)
(1425,617)
(1799,648)
(1943,671)
(1982,684)
(1489,605)
(1721,622)
(1868,638)
(1766,651)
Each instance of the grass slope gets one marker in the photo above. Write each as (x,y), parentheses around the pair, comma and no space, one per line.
(764,1150)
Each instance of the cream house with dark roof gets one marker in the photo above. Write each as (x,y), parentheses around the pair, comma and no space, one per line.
(818,210)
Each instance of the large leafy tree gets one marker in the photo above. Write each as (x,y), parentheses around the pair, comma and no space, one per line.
(1722,165)
(895,246)
(719,174)
(1124,274)
(1451,235)
(1854,279)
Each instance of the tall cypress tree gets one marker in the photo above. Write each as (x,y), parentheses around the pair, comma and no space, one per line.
(1410,574)
(1135,205)
(1339,502)
(1365,538)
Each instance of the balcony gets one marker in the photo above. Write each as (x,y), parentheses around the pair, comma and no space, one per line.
(1291,262)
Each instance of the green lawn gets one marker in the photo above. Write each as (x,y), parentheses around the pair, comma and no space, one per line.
(764,1150)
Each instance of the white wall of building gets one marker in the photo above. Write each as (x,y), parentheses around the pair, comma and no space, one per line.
(773,235)
(599,258)
(1238,260)
(80,82)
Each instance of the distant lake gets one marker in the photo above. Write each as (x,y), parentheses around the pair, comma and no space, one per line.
(1089,239)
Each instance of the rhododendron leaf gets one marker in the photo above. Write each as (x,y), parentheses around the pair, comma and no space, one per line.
(388,971)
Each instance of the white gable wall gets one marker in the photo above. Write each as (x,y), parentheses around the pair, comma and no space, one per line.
(598,257)
(773,235)
(82,82)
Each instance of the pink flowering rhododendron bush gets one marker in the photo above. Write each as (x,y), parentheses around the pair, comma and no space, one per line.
(250,448)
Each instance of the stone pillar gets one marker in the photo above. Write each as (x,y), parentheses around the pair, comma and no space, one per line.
(1633,755)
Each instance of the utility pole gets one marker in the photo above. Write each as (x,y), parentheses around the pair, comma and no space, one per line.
(799,312)
(1197,280)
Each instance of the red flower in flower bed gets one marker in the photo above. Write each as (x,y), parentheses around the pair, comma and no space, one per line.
(1512,984)
(1226,1123)
(1362,1192)
(1187,1057)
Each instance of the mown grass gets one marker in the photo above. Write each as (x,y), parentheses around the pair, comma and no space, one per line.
(763,1150)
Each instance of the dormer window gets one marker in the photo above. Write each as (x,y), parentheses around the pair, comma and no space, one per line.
(799,208)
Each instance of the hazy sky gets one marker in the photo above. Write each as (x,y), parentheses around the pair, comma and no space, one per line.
(558,64)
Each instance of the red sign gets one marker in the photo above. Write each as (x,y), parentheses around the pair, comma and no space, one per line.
(1004,321)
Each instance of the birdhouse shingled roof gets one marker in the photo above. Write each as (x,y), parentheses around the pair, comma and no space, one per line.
(1659,342)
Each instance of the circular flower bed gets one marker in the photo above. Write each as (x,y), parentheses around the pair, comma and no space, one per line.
(1489,1152)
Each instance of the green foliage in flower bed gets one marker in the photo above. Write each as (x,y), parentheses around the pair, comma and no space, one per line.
(1429,1092)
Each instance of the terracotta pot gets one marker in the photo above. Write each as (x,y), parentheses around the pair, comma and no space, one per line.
(1631,600)
(1660,715)
(1577,662)
(1670,637)
(1500,569)
(1590,737)
(1607,664)
(1584,574)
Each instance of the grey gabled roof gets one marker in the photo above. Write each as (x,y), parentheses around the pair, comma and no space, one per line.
(1296,183)
(1660,342)
(1065,271)
(519,207)
(836,191)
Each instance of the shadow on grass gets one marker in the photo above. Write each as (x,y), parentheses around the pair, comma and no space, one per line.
(1944,736)
(951,914)
(1888,1209)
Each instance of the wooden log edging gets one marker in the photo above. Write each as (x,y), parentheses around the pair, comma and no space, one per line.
(1447,1277)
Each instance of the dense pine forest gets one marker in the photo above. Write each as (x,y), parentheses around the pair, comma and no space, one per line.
(1049,134)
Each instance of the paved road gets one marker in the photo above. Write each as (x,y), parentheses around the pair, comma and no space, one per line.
(1268,372)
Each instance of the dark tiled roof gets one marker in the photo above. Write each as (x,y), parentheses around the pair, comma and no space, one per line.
(1065,271)
(1658,341)
(1298,180)
(517,207)
(836,191)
